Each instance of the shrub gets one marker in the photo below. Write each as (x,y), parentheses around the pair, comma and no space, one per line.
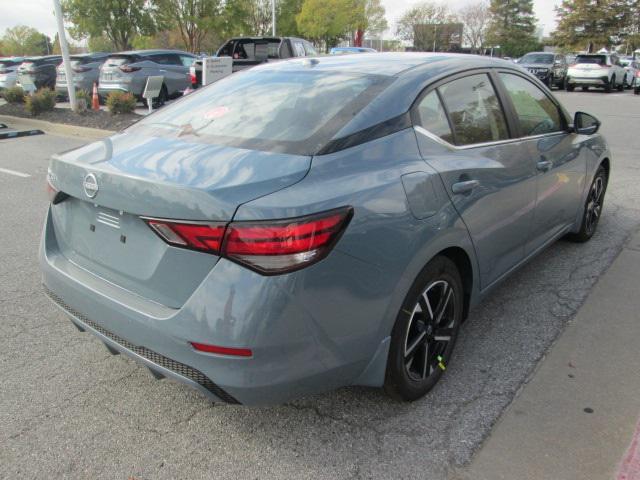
(44,100)
(14,95)
(120,102)
(83,98)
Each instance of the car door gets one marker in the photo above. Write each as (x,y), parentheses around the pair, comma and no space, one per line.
(464,134)
(561,167)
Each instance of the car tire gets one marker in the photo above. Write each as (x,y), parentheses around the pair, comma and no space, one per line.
(550,81)
(592,208)
(636,90)
(622,85)
(425,331)
(570,87)
(610,84)
(585,88)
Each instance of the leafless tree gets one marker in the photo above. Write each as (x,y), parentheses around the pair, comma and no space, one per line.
(475,18)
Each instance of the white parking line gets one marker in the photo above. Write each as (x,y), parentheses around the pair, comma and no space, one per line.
(13,172)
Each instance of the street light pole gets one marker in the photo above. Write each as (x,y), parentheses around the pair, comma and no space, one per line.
(71,87)
(273,17)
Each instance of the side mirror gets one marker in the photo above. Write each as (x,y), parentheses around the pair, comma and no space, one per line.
(585,124)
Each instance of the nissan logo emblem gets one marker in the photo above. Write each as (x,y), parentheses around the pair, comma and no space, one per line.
(90,185)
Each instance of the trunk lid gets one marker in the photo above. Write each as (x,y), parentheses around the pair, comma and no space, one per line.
(110,71)
(155,177)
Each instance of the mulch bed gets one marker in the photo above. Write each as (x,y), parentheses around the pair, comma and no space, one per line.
(101,119)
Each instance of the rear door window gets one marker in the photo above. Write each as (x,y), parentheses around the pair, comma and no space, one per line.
(186,60)
(433,117)
(474,110)
(537,114)
(299,49)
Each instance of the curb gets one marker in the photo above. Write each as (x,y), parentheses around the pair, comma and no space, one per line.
(57,128)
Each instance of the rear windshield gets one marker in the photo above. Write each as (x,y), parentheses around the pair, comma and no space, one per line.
(117,60)
(252,49)
(282,111)
(8,63)
(597,59)
(537,58)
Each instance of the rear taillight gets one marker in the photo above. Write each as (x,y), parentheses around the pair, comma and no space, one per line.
(193,77)
(573,65)
(638,73)
(80,69)
(55,196)
(206,237)
(268,247)
(129,68)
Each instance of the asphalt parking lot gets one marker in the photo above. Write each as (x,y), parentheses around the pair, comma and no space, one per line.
(68,409)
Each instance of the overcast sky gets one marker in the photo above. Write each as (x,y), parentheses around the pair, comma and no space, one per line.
(39,13)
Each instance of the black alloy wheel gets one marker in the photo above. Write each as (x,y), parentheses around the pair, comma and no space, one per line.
(425,332)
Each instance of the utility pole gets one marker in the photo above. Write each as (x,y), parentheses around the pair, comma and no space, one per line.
(273,17)
(62,38)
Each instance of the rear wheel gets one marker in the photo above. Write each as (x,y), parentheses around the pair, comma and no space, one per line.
(569,86)
(593,208)
(585,89)
(610,84)
(159,100)
(622,85)
(425,331)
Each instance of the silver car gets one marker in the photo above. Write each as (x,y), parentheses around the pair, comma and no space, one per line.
(128,72)
(86,69)
(8,71)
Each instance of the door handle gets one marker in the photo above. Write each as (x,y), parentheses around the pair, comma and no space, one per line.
(464,187)
(544,165)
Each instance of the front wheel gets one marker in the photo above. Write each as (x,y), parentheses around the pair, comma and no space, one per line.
(593,208)
(425,331)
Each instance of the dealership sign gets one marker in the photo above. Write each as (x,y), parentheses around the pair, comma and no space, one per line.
(215,68)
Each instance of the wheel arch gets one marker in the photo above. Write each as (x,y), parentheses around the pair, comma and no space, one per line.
(606,163)
(463,263)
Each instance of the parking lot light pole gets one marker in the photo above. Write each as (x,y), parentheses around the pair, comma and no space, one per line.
(273,17)
(64,47)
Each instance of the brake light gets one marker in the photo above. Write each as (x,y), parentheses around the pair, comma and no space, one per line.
(129,68)
(268,247)
(638,73)
(55,196)
(194,80)
(206,237)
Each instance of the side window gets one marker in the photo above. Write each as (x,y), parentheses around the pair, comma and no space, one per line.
(474,110)
(433,117)
(309,49)
(299,49)
(186,60)
(226,50)
(162,59)
(536,112)
(174,59)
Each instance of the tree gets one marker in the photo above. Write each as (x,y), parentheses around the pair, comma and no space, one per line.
(286,17)
(368,16)
(100,43)
(512,26)
(424,13)
(119,20)
(592,24)
(193,19)
(23,40)
(475,18)
(326,21)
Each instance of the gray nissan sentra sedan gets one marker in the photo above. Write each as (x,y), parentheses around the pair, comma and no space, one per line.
(316,223)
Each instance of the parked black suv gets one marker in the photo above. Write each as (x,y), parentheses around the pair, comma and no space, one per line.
(40,70)
(550,68)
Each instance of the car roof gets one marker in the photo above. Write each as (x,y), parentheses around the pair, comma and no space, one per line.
(388,63)
(144,53)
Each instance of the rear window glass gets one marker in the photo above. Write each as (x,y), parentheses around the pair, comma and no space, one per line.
(537,58)
(116,61)
(597,59)
(284,111)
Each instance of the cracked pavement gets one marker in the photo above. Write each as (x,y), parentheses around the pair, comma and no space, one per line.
(68,409)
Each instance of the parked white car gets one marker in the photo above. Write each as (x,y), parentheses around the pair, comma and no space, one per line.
(8,75)
(601,70)
(631,67)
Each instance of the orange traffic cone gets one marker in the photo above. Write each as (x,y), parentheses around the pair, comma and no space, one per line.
(95,102)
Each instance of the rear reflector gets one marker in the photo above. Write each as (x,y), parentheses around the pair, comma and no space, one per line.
(235,352)
(268,247)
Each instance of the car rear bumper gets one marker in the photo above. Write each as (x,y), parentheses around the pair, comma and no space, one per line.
(591,81)
(292,352)
(107,88)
